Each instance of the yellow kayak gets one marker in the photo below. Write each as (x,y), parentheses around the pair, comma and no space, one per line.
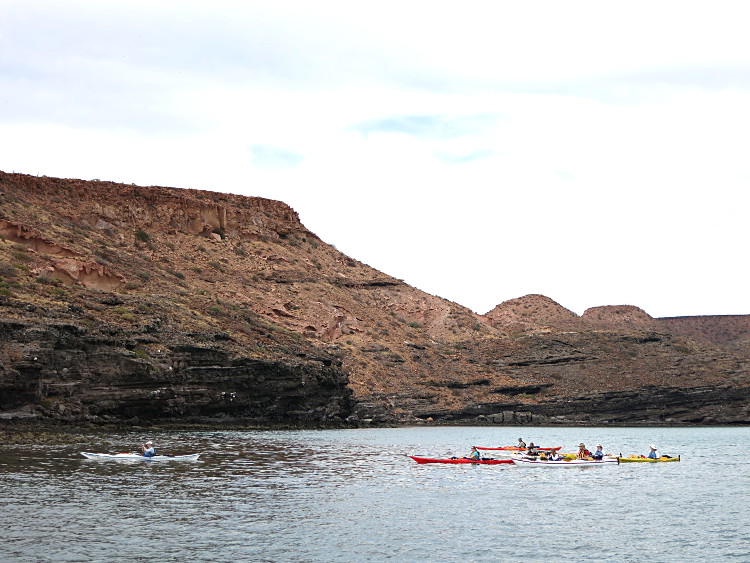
(639,459)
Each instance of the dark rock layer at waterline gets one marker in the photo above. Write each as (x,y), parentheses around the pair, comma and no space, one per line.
(78,374)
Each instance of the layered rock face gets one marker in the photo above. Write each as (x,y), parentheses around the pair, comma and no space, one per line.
(127,303)
(103,374)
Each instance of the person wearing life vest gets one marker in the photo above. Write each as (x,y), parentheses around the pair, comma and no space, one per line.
(474,454)
(654,453)
(148,449)
(521,444)
(599,453)
(583,453)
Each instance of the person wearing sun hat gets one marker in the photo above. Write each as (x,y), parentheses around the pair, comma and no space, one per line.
(599,453)
(653,454)
(148,449)
(583,453)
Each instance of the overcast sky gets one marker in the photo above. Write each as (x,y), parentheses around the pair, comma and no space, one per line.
(593,152)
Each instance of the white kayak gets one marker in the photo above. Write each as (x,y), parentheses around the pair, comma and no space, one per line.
(564,463)
(130,456)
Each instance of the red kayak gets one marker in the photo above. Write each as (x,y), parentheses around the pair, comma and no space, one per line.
(517,449)
(460,460)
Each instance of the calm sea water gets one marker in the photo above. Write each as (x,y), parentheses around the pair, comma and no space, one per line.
(352,495)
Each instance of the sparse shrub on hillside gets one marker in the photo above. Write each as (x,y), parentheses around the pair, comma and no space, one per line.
(5,290)
(124,313)
(240,251)
(103,256)
(142,235)
(217,266)
(21,254)
(59,292)
(7,270)
(178,275)
(141,353)
(145,276)
(415,325)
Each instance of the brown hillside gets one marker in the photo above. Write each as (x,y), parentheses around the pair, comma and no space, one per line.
(730,332)
(216,306)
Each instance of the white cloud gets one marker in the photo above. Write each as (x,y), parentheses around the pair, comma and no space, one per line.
(480,152)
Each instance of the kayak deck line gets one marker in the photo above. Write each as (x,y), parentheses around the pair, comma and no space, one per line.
(565,463)
(515,449)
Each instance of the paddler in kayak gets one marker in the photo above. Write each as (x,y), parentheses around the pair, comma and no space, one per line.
(532,451)
(148,449)
(521,444)
(474,454)
(599,453)
(583,453)
(654,453)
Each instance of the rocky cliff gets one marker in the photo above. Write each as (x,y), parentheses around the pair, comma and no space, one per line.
(127,303)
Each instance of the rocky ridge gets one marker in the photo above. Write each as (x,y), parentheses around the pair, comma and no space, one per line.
(124,303)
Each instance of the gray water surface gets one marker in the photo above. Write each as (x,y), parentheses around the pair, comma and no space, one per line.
(352,495)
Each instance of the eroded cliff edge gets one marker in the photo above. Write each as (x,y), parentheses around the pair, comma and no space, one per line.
(124,303)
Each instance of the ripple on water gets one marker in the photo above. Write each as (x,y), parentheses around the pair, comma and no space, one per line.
(352,495)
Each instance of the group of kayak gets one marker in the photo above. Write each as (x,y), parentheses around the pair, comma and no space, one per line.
(524,455)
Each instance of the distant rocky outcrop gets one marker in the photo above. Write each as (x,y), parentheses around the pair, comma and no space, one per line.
(124,304)
(620,317)
(533,312)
